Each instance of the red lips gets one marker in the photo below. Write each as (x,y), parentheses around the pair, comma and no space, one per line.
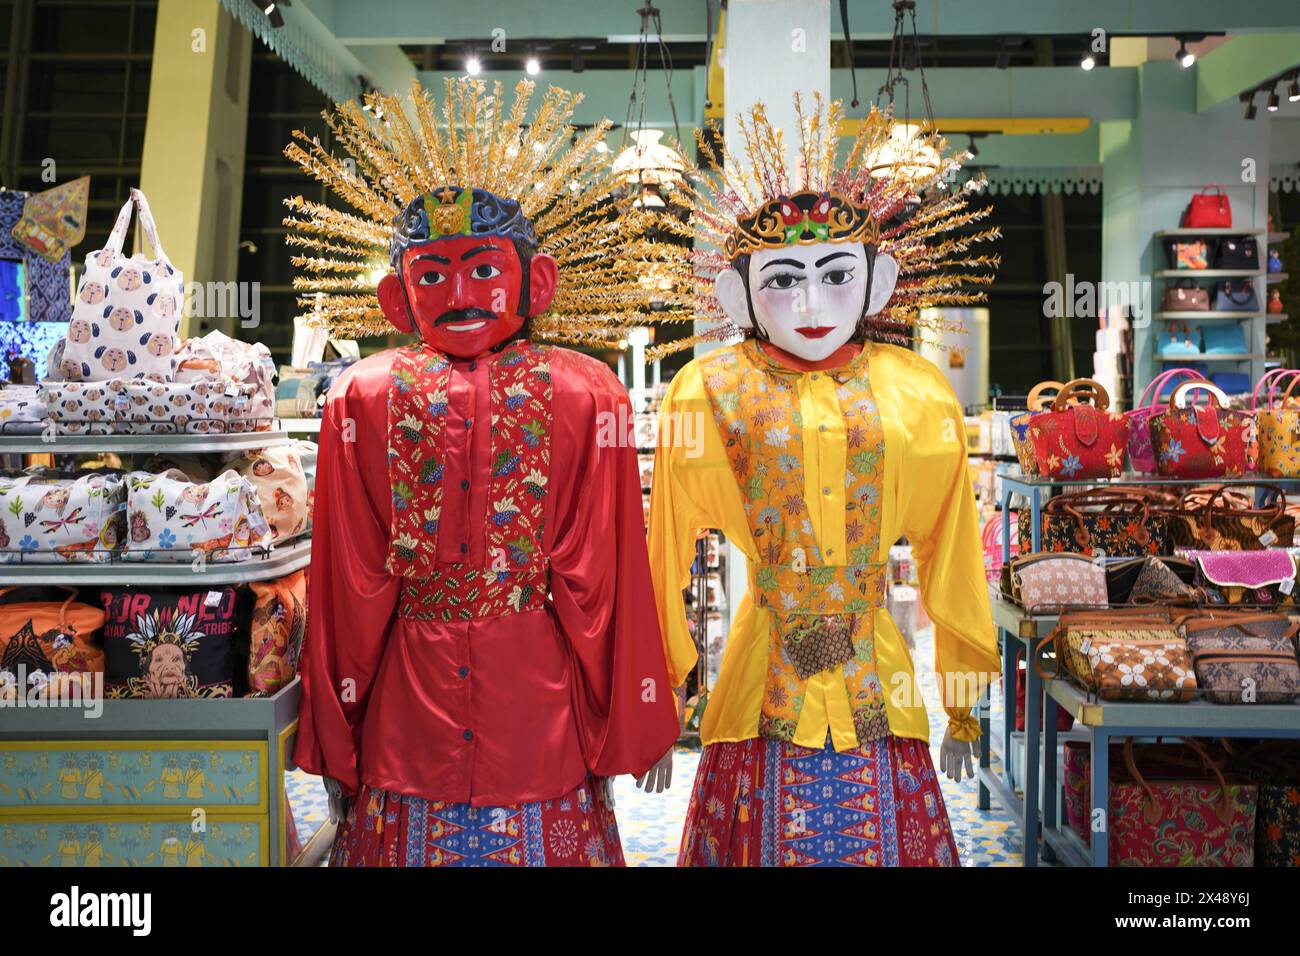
(816,332)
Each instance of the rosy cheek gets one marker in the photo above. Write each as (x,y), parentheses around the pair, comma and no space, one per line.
(841,299)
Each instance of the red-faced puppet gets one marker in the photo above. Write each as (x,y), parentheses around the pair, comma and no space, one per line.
(467,273)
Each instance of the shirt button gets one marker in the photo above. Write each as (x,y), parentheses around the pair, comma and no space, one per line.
(469,735)
(469,423)
(821,428)
(464,549)
(464,484)
(826,491)
(463,672)
(473,365)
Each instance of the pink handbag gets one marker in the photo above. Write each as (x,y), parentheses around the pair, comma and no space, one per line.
(1141,455)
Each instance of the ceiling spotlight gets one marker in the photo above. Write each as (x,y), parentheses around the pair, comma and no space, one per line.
(1274,101)
(1293,95)
(1004,55)
(1249,100)
(473,66)
(1088,61)
(1184,56)
(274,13)
(532,66)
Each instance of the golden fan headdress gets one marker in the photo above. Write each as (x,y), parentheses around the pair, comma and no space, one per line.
(891,192)
(399,149)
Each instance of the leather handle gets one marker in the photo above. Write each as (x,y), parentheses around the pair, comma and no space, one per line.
(1036,402)
(1082,387)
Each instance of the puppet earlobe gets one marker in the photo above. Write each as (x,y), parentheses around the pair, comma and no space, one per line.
(730,290)
(884,277)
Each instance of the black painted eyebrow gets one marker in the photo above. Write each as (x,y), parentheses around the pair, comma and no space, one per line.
(784,262)
(834,255)
(429,255)
(476,250)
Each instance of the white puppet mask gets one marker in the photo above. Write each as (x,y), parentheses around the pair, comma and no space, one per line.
(808,299)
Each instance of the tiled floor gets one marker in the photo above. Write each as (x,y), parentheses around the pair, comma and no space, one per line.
(651,824)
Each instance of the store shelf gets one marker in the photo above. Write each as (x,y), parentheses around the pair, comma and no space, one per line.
(1184,231)
(1195,718)
(1277,317)
(138,444)
(1276,237)
(1208,273)
(1207,316)
(1273,278)
(301,426)
(283,559)
(1207,357)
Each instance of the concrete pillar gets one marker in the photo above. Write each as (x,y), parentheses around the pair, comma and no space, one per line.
(193,165)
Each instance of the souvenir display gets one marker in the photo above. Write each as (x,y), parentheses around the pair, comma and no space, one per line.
(170,518)
(1242,657)
(1202,441)
(546,609)
(127,311)
(1095,522)
(48,638)
(802,415)
(1079,440)
(279,623)
(277,475)
(48,519)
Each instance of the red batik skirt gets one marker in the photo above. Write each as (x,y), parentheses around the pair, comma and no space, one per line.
(395,829)
(771,803)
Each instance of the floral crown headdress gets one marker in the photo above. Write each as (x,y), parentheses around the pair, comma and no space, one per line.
(890,193)
(418,169)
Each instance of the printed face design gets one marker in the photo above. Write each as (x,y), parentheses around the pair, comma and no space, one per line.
(56,499)
(79,331)
(114,360)
(139,526)
(165,673)
(104,258)
(808,300)
(163,305)
(129,279)
(93,293)
(464,292)
(122,319)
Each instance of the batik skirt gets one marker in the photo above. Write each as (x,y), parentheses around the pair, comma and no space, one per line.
(770,803)
(395,829)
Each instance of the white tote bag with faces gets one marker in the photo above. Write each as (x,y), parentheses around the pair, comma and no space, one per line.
(128,309)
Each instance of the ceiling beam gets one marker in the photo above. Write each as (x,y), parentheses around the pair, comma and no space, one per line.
(356,22)
(1242,64)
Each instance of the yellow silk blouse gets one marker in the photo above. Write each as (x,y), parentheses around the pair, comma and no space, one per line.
(927,497)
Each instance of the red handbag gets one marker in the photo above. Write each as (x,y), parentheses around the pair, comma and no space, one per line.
(1203,441)
(1079,440)
(1208,210)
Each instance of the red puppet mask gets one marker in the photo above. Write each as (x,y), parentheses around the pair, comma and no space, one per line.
(464,294)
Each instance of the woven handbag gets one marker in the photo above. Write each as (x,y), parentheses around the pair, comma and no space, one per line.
(1123,655)
(1225,519)
(1277,425)
(1244,657)
(1099,521)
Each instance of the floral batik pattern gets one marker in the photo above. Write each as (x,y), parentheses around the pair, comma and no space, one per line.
(1203,442)
(1279,442)
(772,803)
(515,576)
(822,613)
(393,829)
(1079,442)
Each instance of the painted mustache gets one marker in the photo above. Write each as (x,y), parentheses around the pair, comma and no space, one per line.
(463,315)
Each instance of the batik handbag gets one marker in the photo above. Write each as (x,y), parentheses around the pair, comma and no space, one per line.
(1163,818)
(1275,767)
(1125,654)
(1036,403)
(1047,580)
(1224,519)
(1244,657)
(167,643)
(170,518)
(1202,441)
(1157,583)
(279,622)
(1237,253)
(44,519)
(1278,426)
(1122,578)
(1083,440)
(1100,521)
(1141,455)
(1235,295)
(1245,577)
(127,311)
(50,637)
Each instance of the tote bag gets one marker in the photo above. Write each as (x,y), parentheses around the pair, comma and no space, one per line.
(128,309)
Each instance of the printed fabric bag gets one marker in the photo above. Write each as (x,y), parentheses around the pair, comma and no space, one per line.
(45,519)
(1275,767)
(48,638)
(21,410)
(170,518)
(279,623)
(1123,655)
(1141,456)
(1278,426)
(1225,519)
(1244,657)
(215,406)
(1202,441)
(1019,424)
(85,408)
(281,484)
(1170,805)
(1124,577)
(307,453)
(1095,522)
(1187,253)
(128,309)
(247,364)
(1245,577)
(1079,440)
(161,643)
(1047,580)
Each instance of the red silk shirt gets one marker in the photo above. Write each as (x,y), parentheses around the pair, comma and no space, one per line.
(491,710)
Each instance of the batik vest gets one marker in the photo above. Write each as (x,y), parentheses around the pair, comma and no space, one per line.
(514,576)
(821,612)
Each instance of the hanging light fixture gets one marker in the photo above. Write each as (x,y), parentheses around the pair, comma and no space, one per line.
(910,150)
(1184,56)
(650,169)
